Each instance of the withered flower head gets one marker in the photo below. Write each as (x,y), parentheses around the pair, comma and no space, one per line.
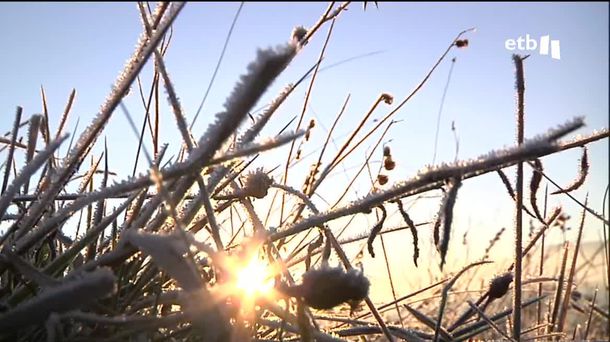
(461,43)
(257,183)
(389,164)
(298,33)
(386,151)
(312,124)
(499,285)
(387,98)
(327,287)
(382,179)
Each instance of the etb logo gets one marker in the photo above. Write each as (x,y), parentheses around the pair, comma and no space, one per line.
(529,44)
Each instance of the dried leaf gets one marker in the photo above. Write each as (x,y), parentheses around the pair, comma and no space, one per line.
(413,230)
(376,229)
(582,175)
(534,185)
(446,213)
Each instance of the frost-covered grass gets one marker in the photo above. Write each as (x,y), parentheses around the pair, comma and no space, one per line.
(163,255)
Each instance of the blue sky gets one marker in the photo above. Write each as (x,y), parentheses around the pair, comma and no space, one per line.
(85,45)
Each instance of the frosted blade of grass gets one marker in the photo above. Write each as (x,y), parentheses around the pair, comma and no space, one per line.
(88,177)
(539,234)
(70,295)
(24,175)
(100,206)
(87,139)
(292,321)
(297,35)
(428,178)
(167,251)
(261,73)
(169,87)
(48,225)
(481,326)
(121,320)
(445,295)
(429,322)
(33,130)
(408,335)
(253,148)
(559,289)
(489,321)
(46,135)
(251,133)
(405,297)
(304,107)
(567,297)
(64,116)
(126,186)
(63,259)
(139,328)
(590,315)
(11,148)
(27,270)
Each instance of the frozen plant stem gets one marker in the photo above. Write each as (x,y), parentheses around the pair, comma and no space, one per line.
(520,85)
(11,150)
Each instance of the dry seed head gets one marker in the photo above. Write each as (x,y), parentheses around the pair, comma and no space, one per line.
(327,287)
(461,43)
(386,151)
(298,33)
(312,124)
(387,98)
(382,179)
(499,285)
(389,164)
(257,183)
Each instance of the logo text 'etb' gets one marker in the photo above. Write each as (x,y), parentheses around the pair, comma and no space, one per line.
(530,44)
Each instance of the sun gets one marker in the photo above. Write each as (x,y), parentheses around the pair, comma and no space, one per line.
(254,278)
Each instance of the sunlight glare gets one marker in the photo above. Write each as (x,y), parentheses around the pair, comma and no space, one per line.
(254,278)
